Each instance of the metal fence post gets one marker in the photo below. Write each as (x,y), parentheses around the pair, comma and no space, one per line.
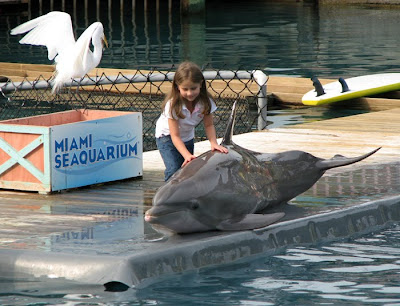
(262,101)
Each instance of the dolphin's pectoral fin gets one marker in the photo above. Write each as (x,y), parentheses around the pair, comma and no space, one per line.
(250,221)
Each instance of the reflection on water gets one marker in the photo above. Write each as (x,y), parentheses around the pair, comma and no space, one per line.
(351,187)
(118,228)
(114,231)
(351,271)
(284,37)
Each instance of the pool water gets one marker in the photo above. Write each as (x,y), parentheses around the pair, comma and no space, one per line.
(361,269)
(279,117)
(296,38)
(282,38)
(348,272)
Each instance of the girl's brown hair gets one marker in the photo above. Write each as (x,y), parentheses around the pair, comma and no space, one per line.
(187,71)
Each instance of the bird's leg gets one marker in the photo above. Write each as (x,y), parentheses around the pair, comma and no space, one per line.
(80,102)
(74,98)
(83,102)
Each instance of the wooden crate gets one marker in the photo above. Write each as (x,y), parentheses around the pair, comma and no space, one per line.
(70,149)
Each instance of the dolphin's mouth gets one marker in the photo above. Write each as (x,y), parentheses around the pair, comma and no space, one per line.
(164,221)
(148,218)
(156,214)
(178,221)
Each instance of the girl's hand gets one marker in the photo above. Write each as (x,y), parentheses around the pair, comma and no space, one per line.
(188,159)
(217,147)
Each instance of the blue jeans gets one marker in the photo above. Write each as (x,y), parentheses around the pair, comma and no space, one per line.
(173,160)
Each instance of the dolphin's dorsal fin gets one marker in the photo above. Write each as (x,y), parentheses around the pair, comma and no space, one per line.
(227,140)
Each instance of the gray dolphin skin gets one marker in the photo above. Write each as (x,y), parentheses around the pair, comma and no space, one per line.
(227,192)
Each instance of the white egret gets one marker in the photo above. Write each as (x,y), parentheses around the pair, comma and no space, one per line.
(73,59)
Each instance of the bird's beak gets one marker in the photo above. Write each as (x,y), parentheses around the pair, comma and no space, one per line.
(105,41)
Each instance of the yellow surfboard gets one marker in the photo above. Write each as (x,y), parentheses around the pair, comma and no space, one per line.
(345,89)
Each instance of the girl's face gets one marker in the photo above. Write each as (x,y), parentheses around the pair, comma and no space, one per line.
(189,90)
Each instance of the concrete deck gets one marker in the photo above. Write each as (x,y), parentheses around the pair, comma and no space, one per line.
(97,235)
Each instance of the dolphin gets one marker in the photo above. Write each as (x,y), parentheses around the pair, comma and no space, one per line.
(228,192)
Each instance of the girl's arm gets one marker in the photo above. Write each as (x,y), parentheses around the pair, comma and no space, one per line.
(211,134)
(177,141)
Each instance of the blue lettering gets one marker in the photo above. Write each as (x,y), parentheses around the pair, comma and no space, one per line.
(133,149)
(74,145)
(74,160)
(83,142)
(65,160)
(92,157)
(57,160)
(110,152)
(83,157)
(124,153)
(59,145)
(101,155)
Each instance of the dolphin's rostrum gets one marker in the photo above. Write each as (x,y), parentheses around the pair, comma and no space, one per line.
(218,191)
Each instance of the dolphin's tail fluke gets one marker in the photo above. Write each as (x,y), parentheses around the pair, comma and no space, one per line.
(227,140)
(339,161)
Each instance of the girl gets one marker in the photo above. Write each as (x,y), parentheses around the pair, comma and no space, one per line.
(187,104)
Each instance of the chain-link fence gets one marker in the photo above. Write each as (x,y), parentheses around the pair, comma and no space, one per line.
(142,92)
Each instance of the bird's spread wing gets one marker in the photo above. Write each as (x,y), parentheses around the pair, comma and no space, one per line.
(53,30)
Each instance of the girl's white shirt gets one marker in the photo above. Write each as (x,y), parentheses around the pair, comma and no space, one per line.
(186,125)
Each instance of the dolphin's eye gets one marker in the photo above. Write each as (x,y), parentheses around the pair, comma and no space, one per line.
(194,206)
